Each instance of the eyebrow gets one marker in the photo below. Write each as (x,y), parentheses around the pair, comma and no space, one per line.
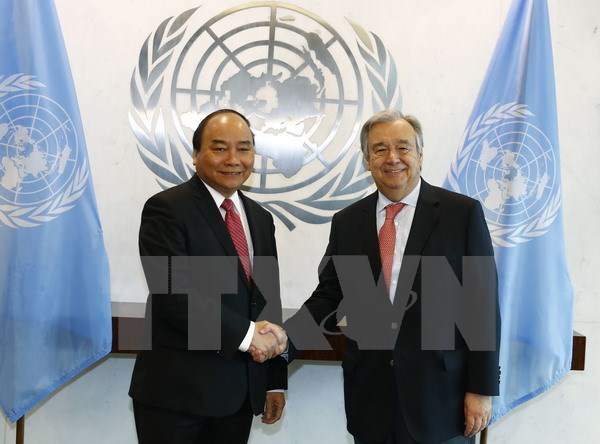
(396,142)
(243,142)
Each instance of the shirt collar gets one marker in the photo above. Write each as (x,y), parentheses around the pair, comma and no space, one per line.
(410,199)
(219,198)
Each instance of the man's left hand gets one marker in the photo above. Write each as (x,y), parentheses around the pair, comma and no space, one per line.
(273,407)
(478,411)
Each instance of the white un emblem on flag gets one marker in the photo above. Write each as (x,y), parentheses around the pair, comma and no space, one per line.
(509,165)
(41,172)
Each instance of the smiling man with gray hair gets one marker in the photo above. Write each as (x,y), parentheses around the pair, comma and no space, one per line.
(430,273)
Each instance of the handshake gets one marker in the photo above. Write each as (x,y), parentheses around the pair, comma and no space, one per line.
(268,341)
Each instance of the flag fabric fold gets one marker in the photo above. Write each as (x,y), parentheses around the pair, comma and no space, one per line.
(55,315)
(508,158)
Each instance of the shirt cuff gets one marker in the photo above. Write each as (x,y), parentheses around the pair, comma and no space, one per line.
(245,345)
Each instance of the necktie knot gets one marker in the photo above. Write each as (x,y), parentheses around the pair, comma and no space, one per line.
(392,210)
(227,205)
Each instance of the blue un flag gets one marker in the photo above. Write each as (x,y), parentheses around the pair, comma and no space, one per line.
(509,159)
(54,279)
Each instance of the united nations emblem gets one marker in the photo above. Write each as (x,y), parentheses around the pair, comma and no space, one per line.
(296,79)
(509,165)
(41,172)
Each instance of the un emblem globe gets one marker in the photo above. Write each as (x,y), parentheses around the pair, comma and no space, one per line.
(513,172)
(290,73)
(38,149)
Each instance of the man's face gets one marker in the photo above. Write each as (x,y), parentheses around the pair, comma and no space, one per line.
(226,155)
(393,159)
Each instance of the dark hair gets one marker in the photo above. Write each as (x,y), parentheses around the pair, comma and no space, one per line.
(390,116)
(197,138)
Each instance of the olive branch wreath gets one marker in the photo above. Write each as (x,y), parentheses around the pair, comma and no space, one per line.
(502,236)
(381,70)
(160,153)
(18,82)
(14,216)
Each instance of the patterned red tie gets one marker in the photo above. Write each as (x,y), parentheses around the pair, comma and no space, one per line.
(387,241)
(236,230)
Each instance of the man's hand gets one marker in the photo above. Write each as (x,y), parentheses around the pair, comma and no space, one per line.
(269,340)
(273,407)
(478,411)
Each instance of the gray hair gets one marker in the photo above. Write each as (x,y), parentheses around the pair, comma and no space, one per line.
(389,116)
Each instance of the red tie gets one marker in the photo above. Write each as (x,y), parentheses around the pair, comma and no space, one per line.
(387,241)
(236,231)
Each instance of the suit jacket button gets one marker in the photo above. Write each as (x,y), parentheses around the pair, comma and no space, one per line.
(394,326)
(391,362)
(253,302)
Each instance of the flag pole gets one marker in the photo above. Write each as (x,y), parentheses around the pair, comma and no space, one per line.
(21,430)
(482,437)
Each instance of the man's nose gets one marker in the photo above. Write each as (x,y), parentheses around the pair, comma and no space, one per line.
(392,156)
(231,156)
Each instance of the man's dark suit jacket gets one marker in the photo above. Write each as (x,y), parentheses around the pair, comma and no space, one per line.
(185,221)
(431,384)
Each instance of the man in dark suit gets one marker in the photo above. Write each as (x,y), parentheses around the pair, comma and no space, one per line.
(182,395)
(407,393)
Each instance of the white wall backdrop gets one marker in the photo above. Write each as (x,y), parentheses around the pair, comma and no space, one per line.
(441,50)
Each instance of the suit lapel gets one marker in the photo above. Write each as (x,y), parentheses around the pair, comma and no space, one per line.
(212,215)
(253,224)
(368,226)
(425,219)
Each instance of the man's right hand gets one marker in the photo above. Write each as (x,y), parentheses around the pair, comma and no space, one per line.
(269,340)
